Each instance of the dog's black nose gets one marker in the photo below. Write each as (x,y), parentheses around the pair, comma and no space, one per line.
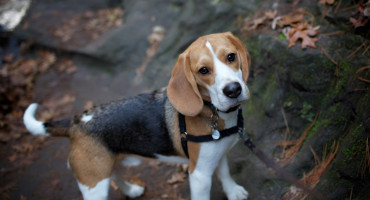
(232,90)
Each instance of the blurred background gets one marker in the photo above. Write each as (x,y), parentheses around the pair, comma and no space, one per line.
(309,82)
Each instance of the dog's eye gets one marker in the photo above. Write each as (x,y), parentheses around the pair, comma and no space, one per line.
(204,70)
(231,57)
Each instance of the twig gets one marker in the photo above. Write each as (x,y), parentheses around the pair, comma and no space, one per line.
(359,71)
(350,8)
(286,132)
(367,48)
(292,151)
(337,7)
(285,121)
(327,55)
(324,12)
(332,33)
(354,52)
(350,196)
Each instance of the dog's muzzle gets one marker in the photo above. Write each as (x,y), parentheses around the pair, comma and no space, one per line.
(232,90)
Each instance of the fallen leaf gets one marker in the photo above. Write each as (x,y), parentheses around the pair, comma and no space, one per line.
(8,58)
(176,178)
(136,180)
(271,14)
(291,20)
(305,33)
(180,175)
(5,137)
(89,104)
(114,185)
(361,17)
(257,22)
(13,157)
(4,190)
(329,2)
(361,21)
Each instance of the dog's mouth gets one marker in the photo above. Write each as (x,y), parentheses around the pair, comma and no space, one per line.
(232,108)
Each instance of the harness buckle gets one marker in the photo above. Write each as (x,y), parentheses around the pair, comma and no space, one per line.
(241,133)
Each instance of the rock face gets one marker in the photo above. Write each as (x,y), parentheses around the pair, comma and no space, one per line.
(294,91)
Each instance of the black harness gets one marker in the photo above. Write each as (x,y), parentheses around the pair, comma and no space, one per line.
(239,128)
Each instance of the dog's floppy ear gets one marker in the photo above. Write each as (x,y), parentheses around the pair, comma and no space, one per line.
(243,54)
(182,89)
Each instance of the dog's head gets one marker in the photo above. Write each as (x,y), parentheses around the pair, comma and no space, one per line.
(214,68)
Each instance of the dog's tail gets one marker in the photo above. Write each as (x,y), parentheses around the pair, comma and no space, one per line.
(35,127)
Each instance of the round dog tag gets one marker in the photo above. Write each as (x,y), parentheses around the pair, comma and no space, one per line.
(216,134)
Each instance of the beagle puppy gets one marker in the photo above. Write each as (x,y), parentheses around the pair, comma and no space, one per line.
(205,91)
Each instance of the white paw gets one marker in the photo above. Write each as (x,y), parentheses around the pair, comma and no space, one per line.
(236,192)
(134,190)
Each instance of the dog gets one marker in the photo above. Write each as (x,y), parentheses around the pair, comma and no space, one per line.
(194,118)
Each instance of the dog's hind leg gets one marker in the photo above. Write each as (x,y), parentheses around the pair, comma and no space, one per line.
(92,165)
(129,189)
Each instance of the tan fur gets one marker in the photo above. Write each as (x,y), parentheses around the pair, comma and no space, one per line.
(89,159)
(243,54)
(194,149)
(172,121)
(182,89)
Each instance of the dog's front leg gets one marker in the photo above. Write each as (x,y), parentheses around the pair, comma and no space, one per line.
(233,190)
(200,184)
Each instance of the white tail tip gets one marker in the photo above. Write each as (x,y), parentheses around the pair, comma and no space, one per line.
(33,126)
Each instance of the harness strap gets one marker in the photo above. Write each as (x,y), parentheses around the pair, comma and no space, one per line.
(207,138)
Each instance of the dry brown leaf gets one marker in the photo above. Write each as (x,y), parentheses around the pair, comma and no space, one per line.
(67,67)
(178,177)
(89,104)
(291,20)
(91,24)
(257,22)
(4,190)
(5,137)
(136,180)
(361,17)
(8,58)
(114,185)
(271,14)
(13,157)
(305,33)
(329,2)
(361,21)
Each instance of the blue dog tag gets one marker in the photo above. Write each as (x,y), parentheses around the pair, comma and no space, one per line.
(216,134)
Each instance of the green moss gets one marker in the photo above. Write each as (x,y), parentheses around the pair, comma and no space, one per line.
(292,99)
(356,148)
(270,87)
(344,73)
(363,103)
(321,122)
(282,37)
(306,112)
(254,48)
